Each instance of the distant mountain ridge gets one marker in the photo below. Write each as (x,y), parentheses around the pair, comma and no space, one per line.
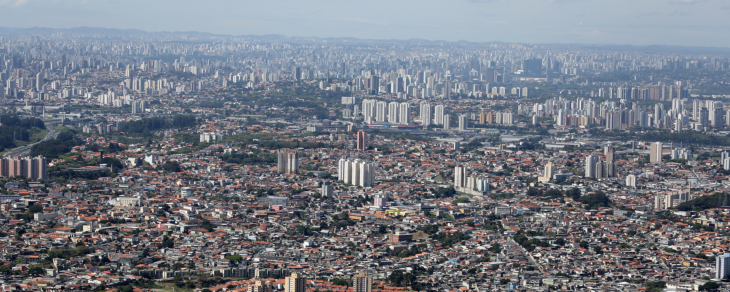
(274,37)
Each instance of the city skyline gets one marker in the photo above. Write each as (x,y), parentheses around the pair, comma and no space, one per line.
(655,22)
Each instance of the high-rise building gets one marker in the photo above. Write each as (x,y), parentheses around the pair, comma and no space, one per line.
(368,110)
(447,122)
(327,190)
(697,105)
(590,170)
(447,90)
(260,286)
(135,108)
(463,123)
(356,172)
(404,113)
(438,114)
(425,113)
(704,117)
(610,165)
(380,201)
(631,181)
(32,168)
(292,160)
(460,176)
(717,117)
(549,170)
(600,169)
(362,282)
(287,161)
(362,142)
(393,112)
(39,81)
(380,111)
(374,83)
(722,266)
(549,173)
(477,183)
(655,152)
(295,283)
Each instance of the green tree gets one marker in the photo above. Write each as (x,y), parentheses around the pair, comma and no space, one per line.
(710,286)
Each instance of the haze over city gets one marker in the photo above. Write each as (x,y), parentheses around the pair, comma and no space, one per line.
(646,22)
(364,146)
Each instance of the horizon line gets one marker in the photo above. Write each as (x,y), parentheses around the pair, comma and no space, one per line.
(367,39)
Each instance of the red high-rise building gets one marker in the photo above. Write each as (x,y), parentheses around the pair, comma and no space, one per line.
(362,142)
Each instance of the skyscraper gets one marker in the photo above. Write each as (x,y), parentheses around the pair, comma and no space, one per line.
(356,172)
(393,112)
(39,81)
(368,110)
(549,173)
(722,266)
(295,283)
(362,282)
(549,170)
(292,162)
(287,161)
(380,111)
(631,181)
(425,113)
(374,83)
(447,122)
(460,176)
(610,165)
(590,170)
(281,160)
(380,201)
(404,113)
(438,114)
(655,152)
(463,122)
(327,189)
(362,142)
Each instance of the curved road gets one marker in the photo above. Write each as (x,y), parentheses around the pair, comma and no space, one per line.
(24,150)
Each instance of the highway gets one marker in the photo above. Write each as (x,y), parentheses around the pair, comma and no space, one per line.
(24,150)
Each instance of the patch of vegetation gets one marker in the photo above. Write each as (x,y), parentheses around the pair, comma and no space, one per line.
(56,147)
(146,126)
(595,200)
(702,203)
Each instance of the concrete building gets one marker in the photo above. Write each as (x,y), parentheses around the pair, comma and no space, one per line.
(463,123)
(295,283)
(362,282)
(631,181)
(460,176)
(425,114)
(356,172)
(655,152)
(722,266)
(549,173)
(590,169)
(288,161)
(362,142)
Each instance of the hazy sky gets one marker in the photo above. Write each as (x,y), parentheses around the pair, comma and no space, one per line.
(636,22)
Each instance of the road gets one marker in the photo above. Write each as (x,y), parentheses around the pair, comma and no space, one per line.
(24,150)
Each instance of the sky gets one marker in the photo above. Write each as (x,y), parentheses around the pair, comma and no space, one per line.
(620,22)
